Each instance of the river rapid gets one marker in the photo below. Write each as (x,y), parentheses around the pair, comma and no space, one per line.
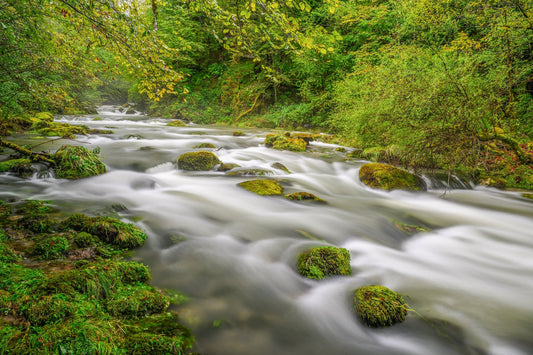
(469,279)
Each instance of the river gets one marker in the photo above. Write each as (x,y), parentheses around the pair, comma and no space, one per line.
(468,278)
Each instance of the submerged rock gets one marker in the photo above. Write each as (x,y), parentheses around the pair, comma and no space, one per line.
(76,162)
(227,166)
(263,187)
(388,177)
(303,196)
(280,166)
(378,306)
(321,262)
(205,145)
(198,161)
(250,172)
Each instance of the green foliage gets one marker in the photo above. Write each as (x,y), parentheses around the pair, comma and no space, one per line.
(7,255)
(135,302)
(378,306)
(198,161)
(262,187)
(321,262)
(76,162)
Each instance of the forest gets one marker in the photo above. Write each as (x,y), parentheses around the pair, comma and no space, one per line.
(432,84)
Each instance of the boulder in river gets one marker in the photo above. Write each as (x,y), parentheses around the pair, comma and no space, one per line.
(263,187)
(378,306)
(321,262)
(303,196)
(198,161)
(177,123)
(76,162)
(205,146)
(388,177)
(285,142)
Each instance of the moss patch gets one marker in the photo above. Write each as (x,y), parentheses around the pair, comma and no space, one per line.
(76,162)
(176,123)
(378,306)
(263,187)
(285,142)
(321,262)
(303,196)
(238,133)
(198,161)
(205,145)
(388,177)
(250,172)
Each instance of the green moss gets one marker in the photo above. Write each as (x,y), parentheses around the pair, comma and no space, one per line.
(108,230)
(250,172)
(227,166)
(530,196)
(321,262)
(48,309)
(84,239)
(410,228)
(281,167)
(263,187)
(58,129)
(136,302)
(388,177)
(238,133)
(285,142)
(177,123)
(205,145)
(7,255)
(34,208)
(198,161)
(303,196)
(21,167)
(141,343)
(76,162)
(5,209)
(378,306)
(51,247)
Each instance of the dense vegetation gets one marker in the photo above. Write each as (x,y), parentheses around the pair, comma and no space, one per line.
(432,84)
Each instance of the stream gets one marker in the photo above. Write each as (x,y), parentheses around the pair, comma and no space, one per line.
(468,278)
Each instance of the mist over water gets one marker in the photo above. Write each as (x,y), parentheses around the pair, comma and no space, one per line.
(469,279)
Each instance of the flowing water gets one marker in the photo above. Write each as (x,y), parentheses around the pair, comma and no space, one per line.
(469,278)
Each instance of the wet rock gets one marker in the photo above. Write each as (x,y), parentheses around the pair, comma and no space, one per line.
(20,167)
(198,161)
(76,162)
(250,172)
(280,166)
(227,166)
(238,133)
(388,177)
(321,262)
(263,187)
(303,196)
(378,306)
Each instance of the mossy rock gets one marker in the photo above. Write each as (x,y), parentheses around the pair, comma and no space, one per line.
(59,129)
(263,187)
(21,167)
(285,142)
(198,161)
(530,196)
(141,343)
(51,247)
(303,196)
(205,146)
(108,230)
(136,302)
(5,209)
(76,162)
(280,166)
(321,262)
(84,240)
(388,177)
(250,172)
(177,123)
(227,166)
(44,116)
(238,133)
(378,306)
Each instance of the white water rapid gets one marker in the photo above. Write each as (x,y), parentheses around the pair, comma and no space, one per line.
(233,253)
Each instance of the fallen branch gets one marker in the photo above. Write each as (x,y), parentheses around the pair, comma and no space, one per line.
(36,157)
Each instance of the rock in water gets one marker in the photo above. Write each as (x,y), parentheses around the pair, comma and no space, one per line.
(388,177)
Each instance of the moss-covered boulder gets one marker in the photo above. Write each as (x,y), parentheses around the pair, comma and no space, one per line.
(136,302)
(108,230)
(198,161)
(250,172)
(280,166)
(388,177)
(263,187)
(21,167)
(51,247)
(303,196)
(76,162)
(285,142)
(378,306)
(321,262)
(238,133)
(177,123)
(227,166)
